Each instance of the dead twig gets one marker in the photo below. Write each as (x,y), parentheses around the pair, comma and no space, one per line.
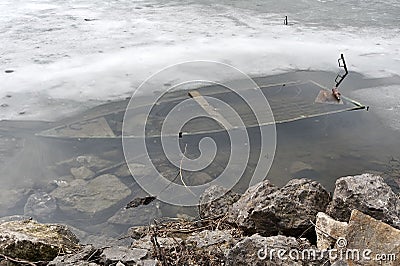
(180,171)
(22,262)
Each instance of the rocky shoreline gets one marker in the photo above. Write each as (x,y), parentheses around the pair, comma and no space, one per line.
(267,225)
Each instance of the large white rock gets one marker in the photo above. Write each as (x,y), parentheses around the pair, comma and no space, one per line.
(328,231)
(367,193)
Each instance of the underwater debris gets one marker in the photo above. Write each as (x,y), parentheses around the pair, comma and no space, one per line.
(140,201)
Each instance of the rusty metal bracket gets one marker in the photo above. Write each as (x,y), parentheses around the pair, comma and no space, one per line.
(340,77)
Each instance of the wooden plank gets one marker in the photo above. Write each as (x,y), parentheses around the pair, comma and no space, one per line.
(210,110)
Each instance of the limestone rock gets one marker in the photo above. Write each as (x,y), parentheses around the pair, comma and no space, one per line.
(164,242)
(63,181)
(33,241)
(137,232)
(328,231)
(82,172)
(365,232)
(215,201)
(13,218)
(222,239)
(40,206)
(77,259)
(256,250)
(102,240)
(367,193)
(254,196)
(289,210)
(149,262)
(90,161)
(93,162)
(136,216)
(92,196)
(125,255)
(299,166)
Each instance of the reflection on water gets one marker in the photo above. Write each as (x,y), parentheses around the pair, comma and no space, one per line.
(86,183)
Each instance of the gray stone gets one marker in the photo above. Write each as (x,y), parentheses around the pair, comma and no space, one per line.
(40,206)
(139,170)
(267,210)
(299,166)
(82,173)
(13,218)
(163,242)
(63,181)
(291,209)
(90,161)
(209,247)
(100,240)
(256,195)
(122,254)
(93,162)
(77,259)
(92,196)
(149,263)
(33,241)
(223,239)
(259,250)
(141,215)
(137,232)
(328,231)
(367,193)
(216,201)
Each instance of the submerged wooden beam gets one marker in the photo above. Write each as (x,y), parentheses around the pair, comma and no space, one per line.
(210,110)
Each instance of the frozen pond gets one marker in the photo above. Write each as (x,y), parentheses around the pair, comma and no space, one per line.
(60,58)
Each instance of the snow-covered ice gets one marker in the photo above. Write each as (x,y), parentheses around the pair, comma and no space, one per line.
(69,55)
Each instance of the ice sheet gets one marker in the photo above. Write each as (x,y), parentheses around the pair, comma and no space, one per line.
(73,52)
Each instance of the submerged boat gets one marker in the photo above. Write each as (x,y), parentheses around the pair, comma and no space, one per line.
(289,101)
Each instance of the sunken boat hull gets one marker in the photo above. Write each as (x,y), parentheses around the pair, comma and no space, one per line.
(289,101)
